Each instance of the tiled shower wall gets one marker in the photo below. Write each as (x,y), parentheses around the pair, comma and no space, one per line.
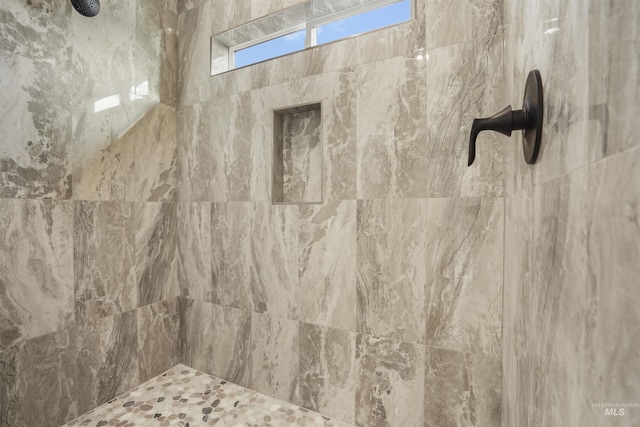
(382,304)
(88,264)
(571,318)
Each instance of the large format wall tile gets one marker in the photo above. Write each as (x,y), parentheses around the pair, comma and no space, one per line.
(391,129)
(36,273)
(156,241)
(463,83)
(231,352)
(196,334)
(104,259)
(464,274)
(194,27)
(156,54)
(104,48)
(390,383)
(391,259)
(107,359)
(35,124)
(193,251)
(274,357)
(328,371)
(255,257)
(38,381)
(327,246)
(158,338)
(461,389)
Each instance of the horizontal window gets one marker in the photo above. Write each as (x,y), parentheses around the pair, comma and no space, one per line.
(299,27)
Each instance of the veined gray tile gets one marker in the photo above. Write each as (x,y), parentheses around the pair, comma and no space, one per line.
(390,383)
(103,150)
(153,137)
(35,159)
(107,359)
(156,242)
(104,259)
(36,273)
(461,389)
(464,274)
(196,334)
(274,357)
(327,247)
(391,129)
(255,257)
(158,338)
(463,83)
(328,371)
(194,251)
(391,278)
(195,29)
(102,54)
(157,49)
(231,352)
(38,381)
(201,153)
(39,30)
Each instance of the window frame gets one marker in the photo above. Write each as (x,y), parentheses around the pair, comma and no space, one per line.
(311,29)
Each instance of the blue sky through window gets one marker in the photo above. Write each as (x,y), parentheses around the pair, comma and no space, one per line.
(336,30)
(368,21)
(271,49)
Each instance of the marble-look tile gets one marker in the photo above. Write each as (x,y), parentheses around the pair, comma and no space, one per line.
(153,137)
(464,274)
(274,357)
(231,352)
(255,257)
(391,128)
(158,338)
(37,30)
(463,83)
(157,49)
(104,259)
(614,75)
(340,164)
(461,389)
(35,124)
(612,340)
(328,371)
(103,160)
(104,48)
(38,381)
(156,241)
(301,157)
(201,153)
(390,383)
(193,251)
(229,15)
(391,261)
(196,334)
(517,313)
(554,38)
(260,8)
(107,359)
(327,249)
(451,22)
(36,272)
(194,69)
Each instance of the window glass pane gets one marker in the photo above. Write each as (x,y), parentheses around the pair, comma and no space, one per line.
(270,49)
(368,21)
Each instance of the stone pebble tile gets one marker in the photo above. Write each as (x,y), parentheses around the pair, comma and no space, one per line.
(185,397)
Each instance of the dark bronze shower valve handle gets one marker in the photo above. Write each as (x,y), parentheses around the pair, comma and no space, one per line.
(529,120)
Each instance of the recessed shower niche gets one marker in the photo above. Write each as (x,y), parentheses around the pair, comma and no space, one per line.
(297,154)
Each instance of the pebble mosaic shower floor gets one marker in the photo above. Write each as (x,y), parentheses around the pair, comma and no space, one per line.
(185,397)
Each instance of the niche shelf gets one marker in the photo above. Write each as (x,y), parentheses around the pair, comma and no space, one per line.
(297,155)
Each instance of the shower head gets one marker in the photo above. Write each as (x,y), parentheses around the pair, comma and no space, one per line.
(87,7)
